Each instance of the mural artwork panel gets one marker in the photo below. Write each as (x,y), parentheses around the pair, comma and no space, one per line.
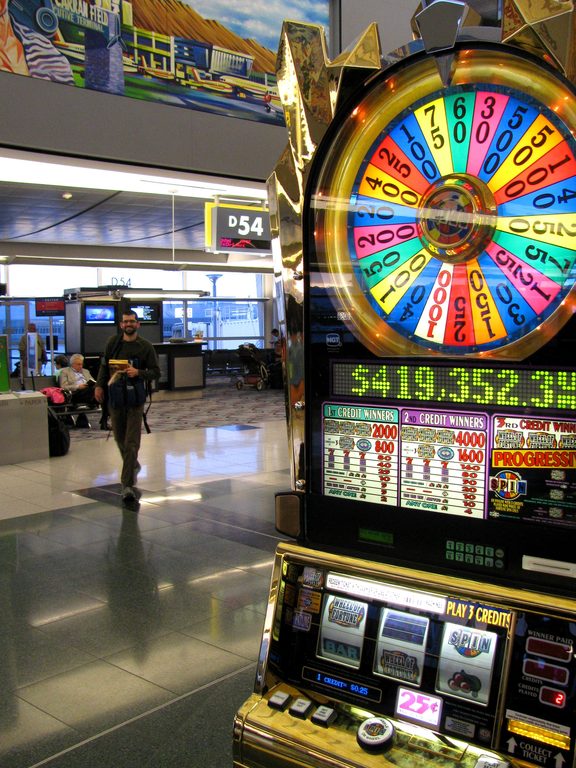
(215,56)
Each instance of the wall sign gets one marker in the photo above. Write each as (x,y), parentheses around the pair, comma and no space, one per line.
(232,228)
(50,307)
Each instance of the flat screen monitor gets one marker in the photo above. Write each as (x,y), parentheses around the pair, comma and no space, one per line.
(99,314)
(147,313)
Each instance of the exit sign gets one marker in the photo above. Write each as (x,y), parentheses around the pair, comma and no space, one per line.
(234,228)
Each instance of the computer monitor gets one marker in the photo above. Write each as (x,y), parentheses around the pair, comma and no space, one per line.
(147,313)
(100,314)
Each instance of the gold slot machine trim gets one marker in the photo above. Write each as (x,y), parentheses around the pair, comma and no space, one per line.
(518,599)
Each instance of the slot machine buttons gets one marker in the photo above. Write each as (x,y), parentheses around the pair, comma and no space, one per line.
(324,716)
(375,734)
(279,700)
(300,708)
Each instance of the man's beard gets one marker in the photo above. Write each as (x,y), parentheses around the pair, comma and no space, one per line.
(130,330)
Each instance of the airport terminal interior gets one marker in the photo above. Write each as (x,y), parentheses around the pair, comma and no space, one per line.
(129,636)
(420,269)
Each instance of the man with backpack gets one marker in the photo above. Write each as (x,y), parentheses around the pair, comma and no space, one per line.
(127,370)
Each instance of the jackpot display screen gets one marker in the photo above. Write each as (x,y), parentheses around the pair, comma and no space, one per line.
(441,241)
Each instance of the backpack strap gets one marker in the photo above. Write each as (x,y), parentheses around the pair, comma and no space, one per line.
(116,348)
(148,385)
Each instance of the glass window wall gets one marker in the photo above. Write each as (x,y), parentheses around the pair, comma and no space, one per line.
(15,315)
(235,313)
(223,323)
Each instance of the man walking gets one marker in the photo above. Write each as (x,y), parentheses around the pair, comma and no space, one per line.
(31,363)
(135,366)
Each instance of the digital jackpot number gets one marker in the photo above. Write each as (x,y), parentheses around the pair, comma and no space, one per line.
(459,385)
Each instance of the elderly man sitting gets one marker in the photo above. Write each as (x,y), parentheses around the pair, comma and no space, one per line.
(78,381)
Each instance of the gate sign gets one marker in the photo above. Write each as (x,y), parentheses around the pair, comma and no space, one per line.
(232,228)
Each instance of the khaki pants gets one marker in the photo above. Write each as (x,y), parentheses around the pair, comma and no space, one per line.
(127,430)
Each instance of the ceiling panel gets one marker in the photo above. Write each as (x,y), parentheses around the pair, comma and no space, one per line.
(38,214)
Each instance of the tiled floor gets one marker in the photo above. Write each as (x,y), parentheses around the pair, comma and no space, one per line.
(129,638)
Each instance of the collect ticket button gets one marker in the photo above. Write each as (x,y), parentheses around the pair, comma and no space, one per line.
(324,716)
(279,700)
(300,708)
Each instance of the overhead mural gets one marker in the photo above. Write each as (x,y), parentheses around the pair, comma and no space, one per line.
(209,55)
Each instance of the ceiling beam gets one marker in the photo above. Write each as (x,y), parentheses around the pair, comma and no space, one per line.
(141,258)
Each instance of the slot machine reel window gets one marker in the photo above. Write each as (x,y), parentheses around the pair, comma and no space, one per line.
(425,657)
(342,630)
(466,662)
(443,215)
(401,646)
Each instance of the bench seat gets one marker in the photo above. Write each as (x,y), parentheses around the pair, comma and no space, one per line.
(66,411)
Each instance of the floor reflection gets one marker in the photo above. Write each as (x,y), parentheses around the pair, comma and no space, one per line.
(133,586)
(134,623)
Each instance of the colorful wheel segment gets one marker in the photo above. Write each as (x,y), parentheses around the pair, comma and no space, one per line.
(461,212)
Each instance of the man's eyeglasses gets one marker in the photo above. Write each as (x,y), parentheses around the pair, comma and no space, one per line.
(129,322)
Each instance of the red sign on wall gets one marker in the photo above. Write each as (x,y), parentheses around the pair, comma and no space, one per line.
(49,307)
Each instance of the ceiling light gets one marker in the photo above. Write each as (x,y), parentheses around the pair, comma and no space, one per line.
(166,264)
(35,168)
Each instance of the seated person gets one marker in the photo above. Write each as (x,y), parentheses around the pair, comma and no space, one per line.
(60,362)
(78,381)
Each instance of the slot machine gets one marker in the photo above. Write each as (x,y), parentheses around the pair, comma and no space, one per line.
(425,225)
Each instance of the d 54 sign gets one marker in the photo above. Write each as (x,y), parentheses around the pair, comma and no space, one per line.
(237,228)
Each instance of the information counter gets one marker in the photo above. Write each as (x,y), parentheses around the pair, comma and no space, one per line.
(182,365)
(24,420)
